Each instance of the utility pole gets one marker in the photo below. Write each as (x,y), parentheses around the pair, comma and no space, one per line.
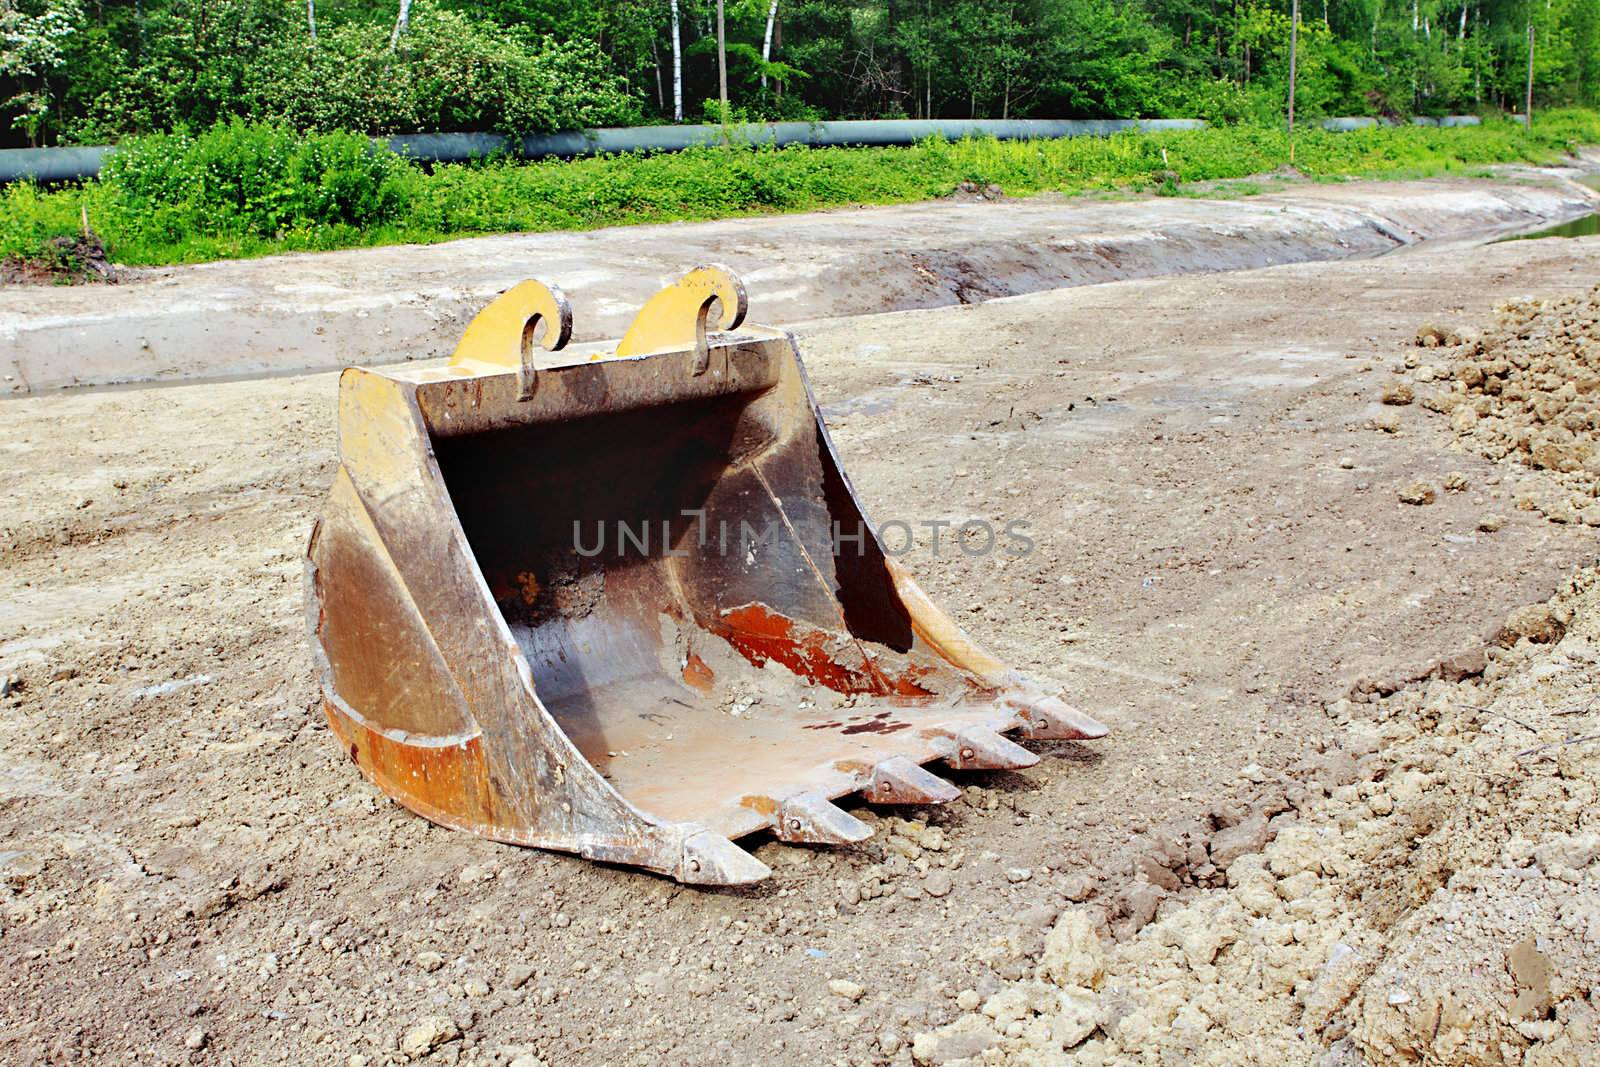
(1527,109)
(1294,48)
(722,61)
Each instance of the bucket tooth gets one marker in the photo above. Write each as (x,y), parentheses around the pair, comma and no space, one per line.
(809,819)
(978,749)
(897,780)
(1049,719)
(711,859)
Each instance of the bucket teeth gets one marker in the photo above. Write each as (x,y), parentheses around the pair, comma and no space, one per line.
(711,859)
(1049,719)
(897,780)
(977,749)
(809,819)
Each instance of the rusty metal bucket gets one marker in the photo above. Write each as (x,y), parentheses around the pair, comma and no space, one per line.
(623,601)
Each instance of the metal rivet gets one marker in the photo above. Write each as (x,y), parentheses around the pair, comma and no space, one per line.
(967,753)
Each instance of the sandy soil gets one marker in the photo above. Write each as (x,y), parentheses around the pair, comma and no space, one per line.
(323,311)
(192,873)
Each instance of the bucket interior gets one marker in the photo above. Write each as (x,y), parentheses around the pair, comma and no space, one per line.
(670,574)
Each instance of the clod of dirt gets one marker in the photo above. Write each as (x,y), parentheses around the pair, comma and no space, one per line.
(61,261)
(1397,394)
(1528,391)
(1434,902)
(1418,493)
(1538,623)
(428,1034)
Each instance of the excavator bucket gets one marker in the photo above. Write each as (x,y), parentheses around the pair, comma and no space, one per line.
(622,600)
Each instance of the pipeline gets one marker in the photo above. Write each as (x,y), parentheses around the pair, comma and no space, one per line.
(75,164)
(46,165)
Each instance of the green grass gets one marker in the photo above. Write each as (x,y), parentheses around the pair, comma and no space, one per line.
(192,200)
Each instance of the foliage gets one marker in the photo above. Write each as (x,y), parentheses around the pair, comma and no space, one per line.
(448,73)
(257,181)
(32,47)
(73,72)
(249,190)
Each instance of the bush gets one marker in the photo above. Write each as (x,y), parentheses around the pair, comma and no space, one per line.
(448,73)
(240,190)
(254,180)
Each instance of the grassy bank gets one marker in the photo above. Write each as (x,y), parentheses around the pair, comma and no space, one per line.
(246,191)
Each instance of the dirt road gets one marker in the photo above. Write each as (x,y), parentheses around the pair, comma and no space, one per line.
(328,310)
(193,873)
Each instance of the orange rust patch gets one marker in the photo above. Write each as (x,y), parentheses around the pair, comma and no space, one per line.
(698,674)
(447,783)
(761,635)
(759,804)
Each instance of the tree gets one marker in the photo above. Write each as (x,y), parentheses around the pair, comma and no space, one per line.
(32,47)
(677,66)
(722,61)
(766,40)
(400,23)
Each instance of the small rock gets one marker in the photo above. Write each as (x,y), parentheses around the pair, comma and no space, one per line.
(1079,887)
(1455,482)
(1418,493)
(1141,901)
(475,987)
(428,1034)
(1397,394)
(430,961)
(1463,665)
(10,684)
(1430,336)
(195,1039)
(1492,523)
(937,884)
(518,974)
(1537,622)
(1018,874)
(968,1000)
(1346,463)
(1227,845)
(1073,955)
(963,1039)
(839,987)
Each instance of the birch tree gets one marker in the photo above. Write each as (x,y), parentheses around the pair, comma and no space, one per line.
(400,24)
(766,41)
(677,65)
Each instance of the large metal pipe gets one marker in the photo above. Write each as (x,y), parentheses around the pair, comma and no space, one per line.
(1345,124)
(73,164)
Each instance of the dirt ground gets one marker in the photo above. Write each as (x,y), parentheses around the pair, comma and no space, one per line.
(1227,574)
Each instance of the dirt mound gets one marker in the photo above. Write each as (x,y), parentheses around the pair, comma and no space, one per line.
(61,261)
(1438,906)
(1528,391)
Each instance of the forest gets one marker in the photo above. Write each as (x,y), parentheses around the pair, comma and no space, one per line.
(95,71)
